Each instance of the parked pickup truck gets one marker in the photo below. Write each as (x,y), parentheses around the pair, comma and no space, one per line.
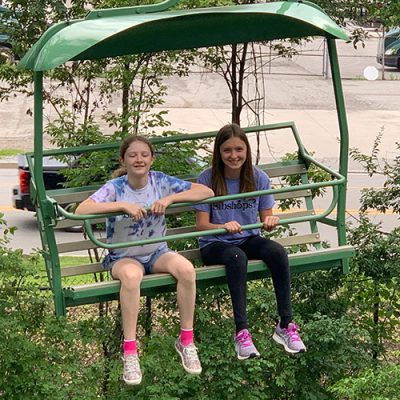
(53,179)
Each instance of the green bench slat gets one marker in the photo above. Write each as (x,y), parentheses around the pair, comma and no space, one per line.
(277,170)
(82,269)
(207,276)
(77,246)
(69,223)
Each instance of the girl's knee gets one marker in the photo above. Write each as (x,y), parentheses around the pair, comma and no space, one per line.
(277,250)
(186,272)
(235,257)
(131,277)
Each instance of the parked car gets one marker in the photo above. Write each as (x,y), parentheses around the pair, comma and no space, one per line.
(391,49)
(6,50)
(53,179)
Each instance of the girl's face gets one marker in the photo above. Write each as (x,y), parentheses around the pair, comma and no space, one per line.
(233,154)
(138,159)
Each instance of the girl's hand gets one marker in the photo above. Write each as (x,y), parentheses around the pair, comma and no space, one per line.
(135,211)
(270,222)
(159,206)
(233,227)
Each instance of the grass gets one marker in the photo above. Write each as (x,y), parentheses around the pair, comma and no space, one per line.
(68,261)
(9,152)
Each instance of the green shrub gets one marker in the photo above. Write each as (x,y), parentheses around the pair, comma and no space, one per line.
(379,383)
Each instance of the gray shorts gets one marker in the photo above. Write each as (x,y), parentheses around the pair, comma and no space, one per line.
(148,265)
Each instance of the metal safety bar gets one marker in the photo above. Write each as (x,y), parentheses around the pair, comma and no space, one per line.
(189,235)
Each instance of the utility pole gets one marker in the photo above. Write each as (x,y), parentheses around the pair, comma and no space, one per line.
(383,52)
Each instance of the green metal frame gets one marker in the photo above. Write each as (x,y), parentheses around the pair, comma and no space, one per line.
(130,30)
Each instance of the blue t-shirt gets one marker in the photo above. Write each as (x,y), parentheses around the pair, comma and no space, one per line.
(244,211)
(122,228)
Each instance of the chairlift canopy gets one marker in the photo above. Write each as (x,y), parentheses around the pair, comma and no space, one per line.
(118,32)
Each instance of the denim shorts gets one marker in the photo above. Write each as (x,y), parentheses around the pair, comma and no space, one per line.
(108,263)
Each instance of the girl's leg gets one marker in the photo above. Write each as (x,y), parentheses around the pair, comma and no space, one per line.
(235,261)
(183,271)
(130,273)
(275,256)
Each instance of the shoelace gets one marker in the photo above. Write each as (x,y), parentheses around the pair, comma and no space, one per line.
(292,331)
(191,353)
(245,339)
(132,365)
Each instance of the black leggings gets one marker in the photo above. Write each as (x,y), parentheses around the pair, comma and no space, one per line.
(235,258)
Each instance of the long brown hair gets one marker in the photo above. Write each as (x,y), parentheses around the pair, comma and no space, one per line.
(247,182)
(124,147)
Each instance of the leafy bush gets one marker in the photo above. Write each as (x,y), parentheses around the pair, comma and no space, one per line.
(79,356)
(380,383)
(314,173)
(40,354)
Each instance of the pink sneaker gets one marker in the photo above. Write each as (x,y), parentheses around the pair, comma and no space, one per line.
(289,338)
(244,345)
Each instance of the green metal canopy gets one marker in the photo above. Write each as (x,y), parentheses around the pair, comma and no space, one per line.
(117,32)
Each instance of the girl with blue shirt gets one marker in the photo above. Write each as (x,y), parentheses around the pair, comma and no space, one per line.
(143,196)
(232,172)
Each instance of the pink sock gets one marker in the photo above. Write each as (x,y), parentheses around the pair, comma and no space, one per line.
(130,347)
(186,336)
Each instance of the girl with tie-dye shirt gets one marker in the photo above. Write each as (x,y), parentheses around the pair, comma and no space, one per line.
(143,196)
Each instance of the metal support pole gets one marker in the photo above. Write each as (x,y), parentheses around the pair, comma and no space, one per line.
(325,61)
(45,211)
(344,143)
(38,132)
(383,52)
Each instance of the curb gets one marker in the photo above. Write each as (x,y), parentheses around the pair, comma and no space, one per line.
(8,165)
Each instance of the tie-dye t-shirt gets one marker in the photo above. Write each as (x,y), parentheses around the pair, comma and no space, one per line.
(122,228)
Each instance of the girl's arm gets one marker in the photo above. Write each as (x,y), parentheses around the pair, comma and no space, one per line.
(195,193)
(270,221)
(203,223)
(89,206)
